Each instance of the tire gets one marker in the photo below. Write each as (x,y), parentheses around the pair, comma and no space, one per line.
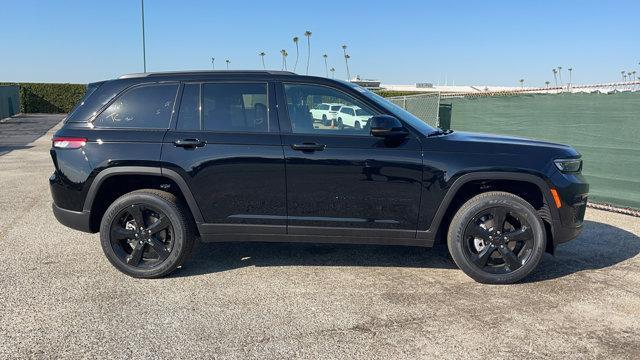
(340,124)
(324,120)
(357,125)
(492,251)
(139,252)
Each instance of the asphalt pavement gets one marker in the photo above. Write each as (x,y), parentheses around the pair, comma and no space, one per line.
(60,297)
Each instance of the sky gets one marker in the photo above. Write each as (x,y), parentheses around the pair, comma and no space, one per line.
(399,42)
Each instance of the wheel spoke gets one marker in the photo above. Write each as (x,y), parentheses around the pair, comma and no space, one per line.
(484,255)
(478,231)
(120,233)
(522,234)
(136,212)
(160,249)
(510,258)
(499,216)
(160,224)
(136,254)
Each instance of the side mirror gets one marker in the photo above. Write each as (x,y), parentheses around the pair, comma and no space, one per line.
(387,126)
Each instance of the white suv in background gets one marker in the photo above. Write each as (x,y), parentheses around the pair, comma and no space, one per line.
(325,112)
(353,116)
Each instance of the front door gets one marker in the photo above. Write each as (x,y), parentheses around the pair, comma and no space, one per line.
(227,147)
(340,179)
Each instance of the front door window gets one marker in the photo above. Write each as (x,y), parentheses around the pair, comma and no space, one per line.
(316,109)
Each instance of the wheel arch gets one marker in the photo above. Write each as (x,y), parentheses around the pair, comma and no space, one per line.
(460,192)
(135,177)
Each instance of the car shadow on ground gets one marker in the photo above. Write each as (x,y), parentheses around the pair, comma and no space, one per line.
(18,132)
(599,246)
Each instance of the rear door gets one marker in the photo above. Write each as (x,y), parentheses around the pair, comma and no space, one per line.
(226,145)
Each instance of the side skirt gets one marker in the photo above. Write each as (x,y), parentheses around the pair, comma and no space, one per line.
(271,233)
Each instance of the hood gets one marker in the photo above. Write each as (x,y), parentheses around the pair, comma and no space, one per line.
(462,141)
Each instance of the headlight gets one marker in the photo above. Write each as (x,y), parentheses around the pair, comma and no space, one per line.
(569,165)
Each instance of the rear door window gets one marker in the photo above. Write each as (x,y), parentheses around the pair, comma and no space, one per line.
(235,107)
(147,107)
(189,115)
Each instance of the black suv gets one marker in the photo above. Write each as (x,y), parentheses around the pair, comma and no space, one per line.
(154,161)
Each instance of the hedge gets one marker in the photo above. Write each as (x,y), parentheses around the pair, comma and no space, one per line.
(390,93)
(48,97)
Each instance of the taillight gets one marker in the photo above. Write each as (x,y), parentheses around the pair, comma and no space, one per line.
(68,142)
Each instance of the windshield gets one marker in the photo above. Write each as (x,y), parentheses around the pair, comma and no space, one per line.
(396,110)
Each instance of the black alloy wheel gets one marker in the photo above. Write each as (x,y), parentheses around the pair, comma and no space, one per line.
(147,233)
(497,238)
(141,236)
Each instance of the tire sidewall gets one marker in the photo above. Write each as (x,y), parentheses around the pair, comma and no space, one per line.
(483,202)
(179,234)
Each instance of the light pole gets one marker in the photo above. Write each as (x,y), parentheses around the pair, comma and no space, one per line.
(213,63)
(144,50)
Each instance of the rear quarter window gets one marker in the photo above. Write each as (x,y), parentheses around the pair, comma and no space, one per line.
(146,107)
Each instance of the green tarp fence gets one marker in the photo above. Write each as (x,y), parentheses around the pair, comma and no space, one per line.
(9,100)
(605,128)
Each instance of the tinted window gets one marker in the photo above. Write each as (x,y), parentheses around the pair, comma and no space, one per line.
(302,98)
(147,107)
(235,107)
(189,115)
(336,107)
(323,107)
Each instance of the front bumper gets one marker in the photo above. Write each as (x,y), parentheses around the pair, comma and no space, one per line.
(78,220)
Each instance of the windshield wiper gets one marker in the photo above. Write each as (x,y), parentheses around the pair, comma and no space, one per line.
(440,132)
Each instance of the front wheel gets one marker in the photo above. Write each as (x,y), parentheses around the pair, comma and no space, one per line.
(497,238)
(147,233)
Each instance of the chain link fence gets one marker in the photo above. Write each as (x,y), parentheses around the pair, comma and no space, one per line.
(424,106)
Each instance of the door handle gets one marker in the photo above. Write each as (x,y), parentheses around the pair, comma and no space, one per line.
(308,147)
(189,143)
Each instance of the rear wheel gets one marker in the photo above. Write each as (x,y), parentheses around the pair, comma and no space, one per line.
(357,125)
(497,238)
(340,124)
(146,233)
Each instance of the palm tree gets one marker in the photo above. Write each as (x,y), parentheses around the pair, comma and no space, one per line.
(213,63)
(295,41)
(333,72)
(555,76)
(547,83)
(308,35)
(521,83)
(262,54)
(228,62)
(346,62)
(560,74)
(326,68)
(284,54)
(624,77)
(344,53)
(634,75)
(570,70)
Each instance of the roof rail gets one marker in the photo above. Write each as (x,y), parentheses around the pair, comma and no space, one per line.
(204,72)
